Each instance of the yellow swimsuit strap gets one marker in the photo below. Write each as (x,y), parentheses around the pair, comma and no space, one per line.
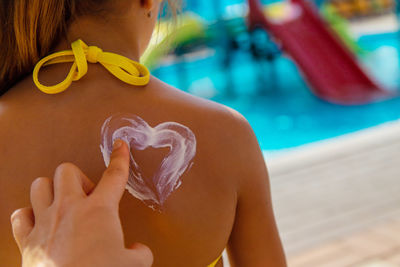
(215,262)
(123,68)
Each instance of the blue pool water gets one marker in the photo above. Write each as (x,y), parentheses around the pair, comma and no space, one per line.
(274,97)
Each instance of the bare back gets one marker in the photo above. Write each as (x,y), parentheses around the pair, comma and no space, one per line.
(38,132)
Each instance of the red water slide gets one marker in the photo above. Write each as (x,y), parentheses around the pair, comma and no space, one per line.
(329,67)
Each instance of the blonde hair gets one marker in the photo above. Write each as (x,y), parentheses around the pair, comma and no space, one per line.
(31,28)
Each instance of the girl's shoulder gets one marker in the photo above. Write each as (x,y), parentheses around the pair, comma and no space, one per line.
(206,111)
(229,135)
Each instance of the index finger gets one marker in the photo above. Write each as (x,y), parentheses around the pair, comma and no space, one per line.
(113,182)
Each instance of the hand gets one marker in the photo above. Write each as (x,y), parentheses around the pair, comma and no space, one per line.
(71,223)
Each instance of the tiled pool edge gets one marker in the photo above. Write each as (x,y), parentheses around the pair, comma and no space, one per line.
(318,152)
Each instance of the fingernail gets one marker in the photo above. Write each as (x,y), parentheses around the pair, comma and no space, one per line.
(14,215)
(117,144)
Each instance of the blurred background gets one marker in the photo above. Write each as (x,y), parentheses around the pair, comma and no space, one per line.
(318,81)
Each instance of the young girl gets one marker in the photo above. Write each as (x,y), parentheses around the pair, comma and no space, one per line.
(198,182)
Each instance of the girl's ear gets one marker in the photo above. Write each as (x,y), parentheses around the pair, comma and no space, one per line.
(147,4)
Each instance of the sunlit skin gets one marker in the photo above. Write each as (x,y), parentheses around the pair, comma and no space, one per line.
(57,231)
(224,200)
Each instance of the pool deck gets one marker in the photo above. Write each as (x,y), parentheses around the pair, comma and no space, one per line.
(377,246)
(332,190)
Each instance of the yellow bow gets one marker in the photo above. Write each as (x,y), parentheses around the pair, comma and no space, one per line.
(123,68)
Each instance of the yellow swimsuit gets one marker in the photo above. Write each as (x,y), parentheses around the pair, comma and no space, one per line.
(123,68)
(215,262)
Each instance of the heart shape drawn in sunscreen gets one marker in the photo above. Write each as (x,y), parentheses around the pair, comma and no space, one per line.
(139,135)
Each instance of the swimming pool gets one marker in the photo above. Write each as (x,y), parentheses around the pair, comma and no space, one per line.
(274,97)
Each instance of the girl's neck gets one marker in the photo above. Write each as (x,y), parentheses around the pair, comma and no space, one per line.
(113,36)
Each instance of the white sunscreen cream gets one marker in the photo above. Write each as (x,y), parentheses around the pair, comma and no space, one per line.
(139,135)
